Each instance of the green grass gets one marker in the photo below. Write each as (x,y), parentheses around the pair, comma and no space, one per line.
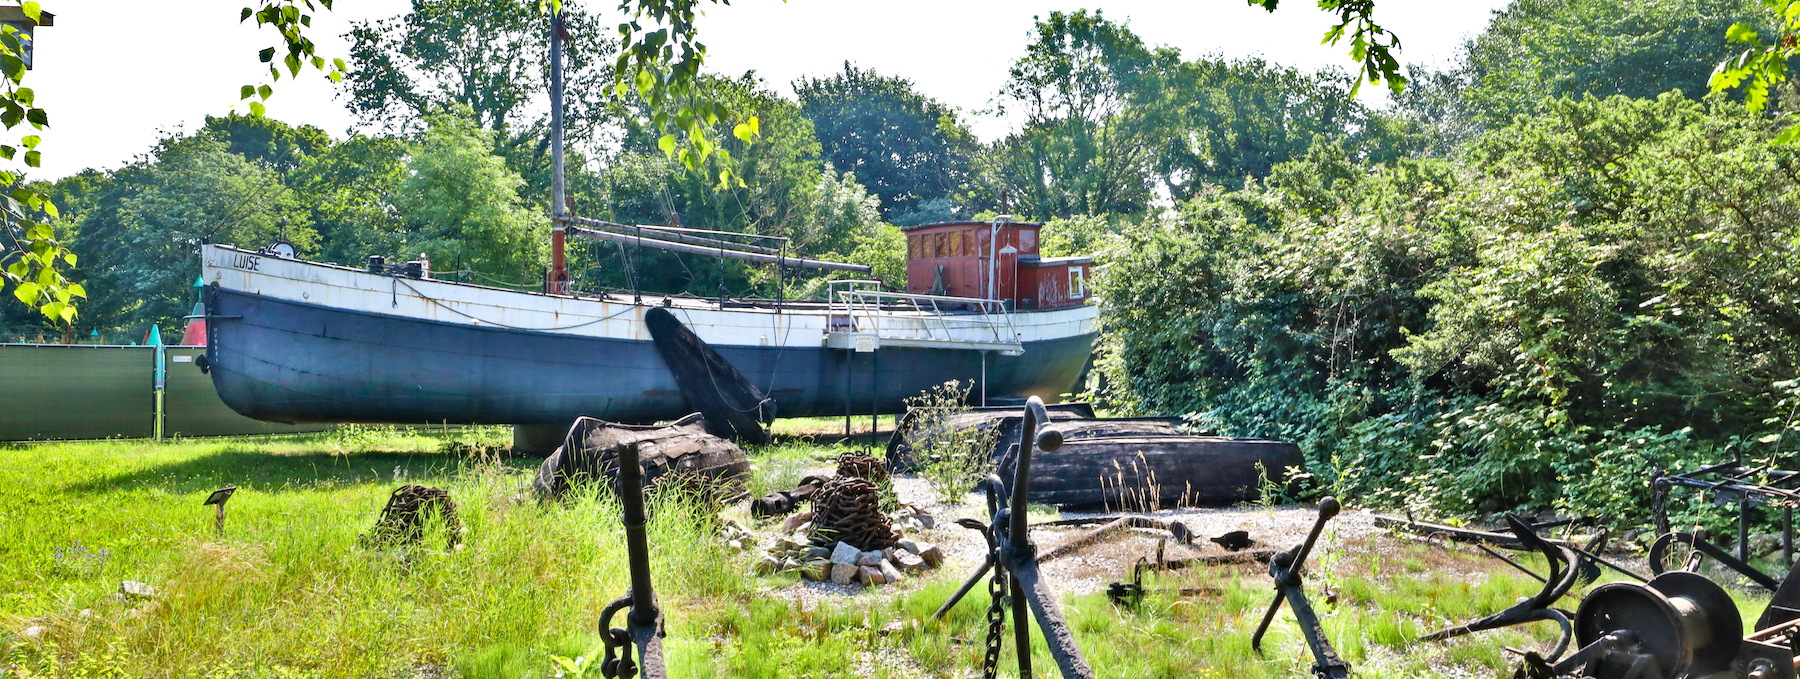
(287,591)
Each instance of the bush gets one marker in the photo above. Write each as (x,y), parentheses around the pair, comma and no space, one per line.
(1584,297)
(952,460)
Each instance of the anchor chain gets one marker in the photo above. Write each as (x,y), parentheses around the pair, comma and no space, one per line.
(996,614)
(618,663)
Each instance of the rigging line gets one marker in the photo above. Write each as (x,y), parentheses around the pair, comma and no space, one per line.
(503,325)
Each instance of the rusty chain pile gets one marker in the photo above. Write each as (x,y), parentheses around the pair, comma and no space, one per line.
(863,465)
(848,509)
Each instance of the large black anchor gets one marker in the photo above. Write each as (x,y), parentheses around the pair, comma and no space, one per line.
(643,631)
(1013,559)
(1565,569)
(1285,568)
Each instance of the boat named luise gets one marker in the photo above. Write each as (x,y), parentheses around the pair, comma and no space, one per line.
(290,340)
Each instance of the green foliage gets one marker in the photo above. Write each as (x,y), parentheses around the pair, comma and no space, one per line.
(137,240)
(953,460)
(32,257)
(490,57)
(1535,50)
(663,68)
(1591,293)
(1370,45)
(289,18)
(461,204)
(353,190)
(902,146)
(788,192)
(1762,65)
(1095,109)
(268,142)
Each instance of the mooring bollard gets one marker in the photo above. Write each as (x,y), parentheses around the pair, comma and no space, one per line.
(217,500)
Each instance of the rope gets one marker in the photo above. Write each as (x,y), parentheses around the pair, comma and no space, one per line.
(503,325)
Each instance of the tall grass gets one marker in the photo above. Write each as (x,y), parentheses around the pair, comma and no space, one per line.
(287,590)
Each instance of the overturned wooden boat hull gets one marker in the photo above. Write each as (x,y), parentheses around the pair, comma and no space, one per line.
(1144,473)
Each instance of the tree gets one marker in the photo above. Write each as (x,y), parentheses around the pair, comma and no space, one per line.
(1535,50)
(268,142)
(1096,110)
(904,147)
(137,240)
(460,204)
(353,190)
(788,191)
(488,56)
(1241,118)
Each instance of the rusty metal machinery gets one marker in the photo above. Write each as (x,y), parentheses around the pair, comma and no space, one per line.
(1565,568)
(1013,560)
(643,630)
(1748,486)
(1678,625)
(1285,568)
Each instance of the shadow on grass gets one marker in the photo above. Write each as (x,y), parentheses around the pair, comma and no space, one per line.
(273,472)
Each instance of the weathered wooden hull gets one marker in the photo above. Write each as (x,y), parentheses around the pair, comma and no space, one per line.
(1141,473)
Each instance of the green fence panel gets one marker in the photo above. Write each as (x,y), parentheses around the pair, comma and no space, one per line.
(53,391)
(76,391)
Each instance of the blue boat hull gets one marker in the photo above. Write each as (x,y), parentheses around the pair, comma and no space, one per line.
(284,361)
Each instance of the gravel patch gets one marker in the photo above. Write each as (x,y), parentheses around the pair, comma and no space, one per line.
(1089,570)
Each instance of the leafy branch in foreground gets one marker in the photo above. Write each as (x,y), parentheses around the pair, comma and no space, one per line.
(663,67)
(1762,65)
(287,18)
(31,253)
(1369,43)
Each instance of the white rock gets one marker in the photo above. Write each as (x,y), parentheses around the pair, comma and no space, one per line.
(767,565)
(843,573)
(845,553)
(34,632)
(889,572)
(135,589)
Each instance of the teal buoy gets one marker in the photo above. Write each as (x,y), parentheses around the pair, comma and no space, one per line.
(155,337)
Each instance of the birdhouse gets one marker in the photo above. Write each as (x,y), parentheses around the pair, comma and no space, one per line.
(15,17)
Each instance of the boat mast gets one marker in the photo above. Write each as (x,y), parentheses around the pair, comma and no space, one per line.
(558,281)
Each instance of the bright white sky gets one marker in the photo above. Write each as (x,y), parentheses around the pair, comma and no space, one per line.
(116,75)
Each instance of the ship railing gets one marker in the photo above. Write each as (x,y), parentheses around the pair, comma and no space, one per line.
(867,309)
